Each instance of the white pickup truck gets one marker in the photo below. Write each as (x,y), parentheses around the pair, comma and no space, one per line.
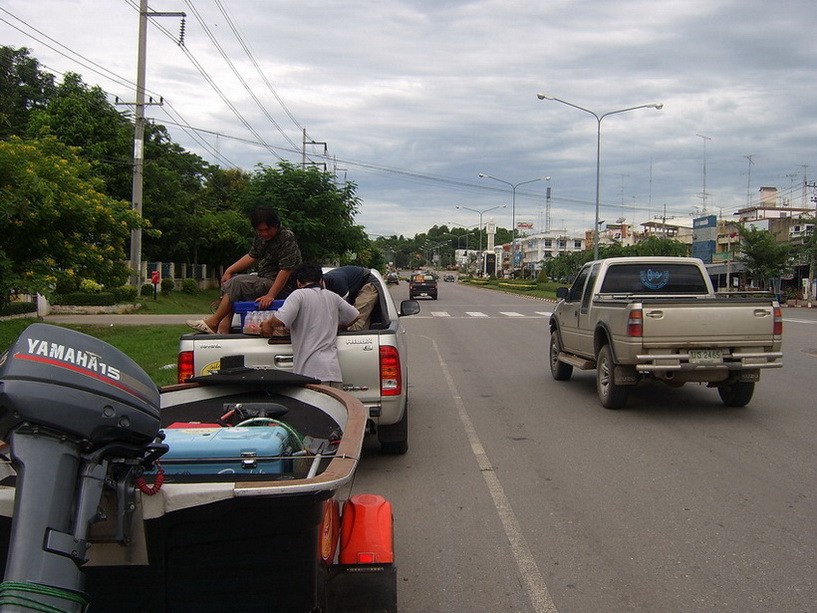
(637,319)
(374,363)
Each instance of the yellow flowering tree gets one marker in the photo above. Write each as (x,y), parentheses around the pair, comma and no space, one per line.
(57,227)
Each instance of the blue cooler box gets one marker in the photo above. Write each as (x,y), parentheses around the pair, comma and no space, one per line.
(242,308)
(254,450)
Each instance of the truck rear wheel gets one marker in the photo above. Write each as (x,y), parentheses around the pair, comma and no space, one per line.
(612,396)
(559,370)
(394,439)
(738,394)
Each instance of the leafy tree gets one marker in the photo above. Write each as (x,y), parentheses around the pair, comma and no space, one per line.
(765,258)
(81,116)
(24,88)
(58,227)
(319,212)
(656,245)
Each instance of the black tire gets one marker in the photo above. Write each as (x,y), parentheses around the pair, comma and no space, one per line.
(738,394)
(612,396)
(394,439)
(559,370)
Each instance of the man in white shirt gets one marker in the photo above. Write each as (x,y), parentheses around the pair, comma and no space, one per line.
(313,315)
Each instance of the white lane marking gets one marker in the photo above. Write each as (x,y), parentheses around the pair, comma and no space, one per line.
(530,575)
(440,314)
(545,313)
(475,314)
(511,314)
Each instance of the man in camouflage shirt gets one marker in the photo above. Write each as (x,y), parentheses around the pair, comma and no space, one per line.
(275,252)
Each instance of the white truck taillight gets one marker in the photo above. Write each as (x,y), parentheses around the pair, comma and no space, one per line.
(391,382)
(635,323)
(778,321)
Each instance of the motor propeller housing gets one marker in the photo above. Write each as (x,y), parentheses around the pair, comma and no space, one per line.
(63,380)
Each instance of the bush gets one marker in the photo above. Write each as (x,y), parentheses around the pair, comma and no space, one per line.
(190,286)
(83,299)
(167,286)
(15,308)
(147,289)
(90,286)
(126,293)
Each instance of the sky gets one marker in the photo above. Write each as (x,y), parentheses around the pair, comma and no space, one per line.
(411,100)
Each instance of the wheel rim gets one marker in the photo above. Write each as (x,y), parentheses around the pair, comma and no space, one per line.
(604,375)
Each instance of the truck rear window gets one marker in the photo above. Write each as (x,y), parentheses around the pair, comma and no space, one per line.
(657,278)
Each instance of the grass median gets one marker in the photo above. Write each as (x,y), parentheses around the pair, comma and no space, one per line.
(154,348)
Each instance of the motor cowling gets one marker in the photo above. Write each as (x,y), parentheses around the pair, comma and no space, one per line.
(63,380)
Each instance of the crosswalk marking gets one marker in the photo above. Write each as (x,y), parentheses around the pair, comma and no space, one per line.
(480,314)
(440,314)
(475,314)
(545,313)
(511,314)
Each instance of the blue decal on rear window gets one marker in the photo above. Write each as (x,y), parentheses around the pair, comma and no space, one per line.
(654,279)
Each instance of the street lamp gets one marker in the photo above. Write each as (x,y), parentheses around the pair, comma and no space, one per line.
(482,175)
(467,232)
(481,213)
(657,106)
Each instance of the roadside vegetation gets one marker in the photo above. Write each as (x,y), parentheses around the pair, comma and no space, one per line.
(154,348)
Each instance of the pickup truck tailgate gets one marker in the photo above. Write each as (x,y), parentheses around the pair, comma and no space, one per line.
(708,323)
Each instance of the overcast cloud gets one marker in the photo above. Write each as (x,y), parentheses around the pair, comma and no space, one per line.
(415,98)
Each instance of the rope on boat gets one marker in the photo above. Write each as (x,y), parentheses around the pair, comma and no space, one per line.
(9,597)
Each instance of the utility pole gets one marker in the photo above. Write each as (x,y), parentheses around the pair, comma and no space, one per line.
(139,136)
(304,143)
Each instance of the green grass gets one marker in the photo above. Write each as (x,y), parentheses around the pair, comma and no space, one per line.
(177,303)
(152,347)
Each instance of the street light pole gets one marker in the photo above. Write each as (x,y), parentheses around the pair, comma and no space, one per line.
(513,186)
(655,105)
(481,213)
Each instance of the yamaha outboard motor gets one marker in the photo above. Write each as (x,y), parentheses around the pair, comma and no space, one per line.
(76,413)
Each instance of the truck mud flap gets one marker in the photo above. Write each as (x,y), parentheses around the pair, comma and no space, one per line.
(625,375)
(362,588)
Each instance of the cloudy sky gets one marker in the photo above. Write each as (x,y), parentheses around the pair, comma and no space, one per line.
(413,99)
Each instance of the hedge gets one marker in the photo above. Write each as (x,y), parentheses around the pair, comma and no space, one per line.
(83,299)
(15,308)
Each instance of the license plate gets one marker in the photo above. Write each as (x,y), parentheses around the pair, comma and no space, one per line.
(705,356)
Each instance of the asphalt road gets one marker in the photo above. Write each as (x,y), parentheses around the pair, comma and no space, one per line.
(520,493)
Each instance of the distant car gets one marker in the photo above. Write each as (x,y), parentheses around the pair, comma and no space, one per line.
(423,284)
(449,278)
(392,277)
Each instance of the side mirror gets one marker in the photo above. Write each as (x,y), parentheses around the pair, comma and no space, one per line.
(409,307)
(562,293)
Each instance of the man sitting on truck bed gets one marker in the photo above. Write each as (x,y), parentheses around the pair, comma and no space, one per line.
(313,315)
(276,252)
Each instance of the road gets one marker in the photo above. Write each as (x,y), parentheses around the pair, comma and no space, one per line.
(520,493)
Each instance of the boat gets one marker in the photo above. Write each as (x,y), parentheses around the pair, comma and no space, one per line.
(222,494)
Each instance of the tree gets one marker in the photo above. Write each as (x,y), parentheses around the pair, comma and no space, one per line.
(24,88)
(81,116)
(320,213)
(58,227)
(766,259)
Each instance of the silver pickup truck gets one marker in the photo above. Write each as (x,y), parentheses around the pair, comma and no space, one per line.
(637,319)
(374,363)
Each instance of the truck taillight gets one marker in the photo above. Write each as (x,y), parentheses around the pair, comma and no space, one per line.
(778,320)
(184,366)
(391,382)
(635,323)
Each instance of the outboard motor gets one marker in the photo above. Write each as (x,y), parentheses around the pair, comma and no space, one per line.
(76,412)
